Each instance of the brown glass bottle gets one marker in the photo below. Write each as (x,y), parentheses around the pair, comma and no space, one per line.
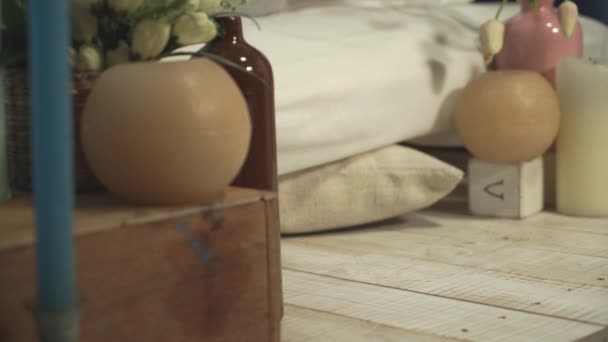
(260,168)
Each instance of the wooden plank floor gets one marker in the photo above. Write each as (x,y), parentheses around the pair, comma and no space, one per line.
(442,275)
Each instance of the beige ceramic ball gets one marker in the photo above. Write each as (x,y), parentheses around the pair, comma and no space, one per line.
(508,116)
(166,133)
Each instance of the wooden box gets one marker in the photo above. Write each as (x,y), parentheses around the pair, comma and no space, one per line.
(209,273)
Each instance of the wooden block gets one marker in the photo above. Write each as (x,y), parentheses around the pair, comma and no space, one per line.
(506,191)
(206,273)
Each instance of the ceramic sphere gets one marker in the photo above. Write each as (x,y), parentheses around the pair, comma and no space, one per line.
(508,116)
(166,133)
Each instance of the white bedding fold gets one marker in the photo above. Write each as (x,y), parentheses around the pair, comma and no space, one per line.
(349,79)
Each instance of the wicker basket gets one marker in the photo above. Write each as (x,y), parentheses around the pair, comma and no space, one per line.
(18,123)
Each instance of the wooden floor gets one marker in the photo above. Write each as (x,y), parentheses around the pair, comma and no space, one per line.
(442,275)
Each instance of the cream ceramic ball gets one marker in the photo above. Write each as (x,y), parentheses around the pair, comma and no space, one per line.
(172,133)
(508,116)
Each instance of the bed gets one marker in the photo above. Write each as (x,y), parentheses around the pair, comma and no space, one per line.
(356,77)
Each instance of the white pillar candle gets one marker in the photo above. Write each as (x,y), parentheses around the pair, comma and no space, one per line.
(582,158)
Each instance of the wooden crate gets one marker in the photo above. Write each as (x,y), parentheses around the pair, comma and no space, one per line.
(209,273)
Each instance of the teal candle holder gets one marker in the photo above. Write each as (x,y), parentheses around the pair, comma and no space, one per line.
(52,127)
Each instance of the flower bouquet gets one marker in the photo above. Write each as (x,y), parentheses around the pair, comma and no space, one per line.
(104,33)
(109,32)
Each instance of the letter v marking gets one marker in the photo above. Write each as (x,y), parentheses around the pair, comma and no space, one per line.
(488,189)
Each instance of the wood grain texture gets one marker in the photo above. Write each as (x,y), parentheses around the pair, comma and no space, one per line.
(442,273)
(544,278)
(100,212)
(422,237)
(456,209)
(382,267)
(427,314)
(308,325)
(174,275)
(546,231)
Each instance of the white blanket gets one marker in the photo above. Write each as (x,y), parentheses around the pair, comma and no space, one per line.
(349,79)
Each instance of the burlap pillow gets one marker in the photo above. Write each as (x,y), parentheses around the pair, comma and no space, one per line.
(366,188)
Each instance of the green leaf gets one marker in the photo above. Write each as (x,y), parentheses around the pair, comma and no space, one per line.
(502,6)
(158,9)
(534,3)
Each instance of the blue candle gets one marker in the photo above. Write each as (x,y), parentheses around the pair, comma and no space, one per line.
(49,34)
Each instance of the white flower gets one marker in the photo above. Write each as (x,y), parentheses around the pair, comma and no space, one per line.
(491,36)
(194,28)
(150,38)
(209,6)
(127,6)
(568,17)
(121,54)
(89,59)
(85,26)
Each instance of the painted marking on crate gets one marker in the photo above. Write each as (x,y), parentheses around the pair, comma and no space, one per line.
(206,254)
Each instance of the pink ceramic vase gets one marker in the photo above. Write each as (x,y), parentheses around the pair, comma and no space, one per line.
(534,40)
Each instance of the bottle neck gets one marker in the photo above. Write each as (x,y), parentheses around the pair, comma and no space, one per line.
(231,28)
(526,5)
